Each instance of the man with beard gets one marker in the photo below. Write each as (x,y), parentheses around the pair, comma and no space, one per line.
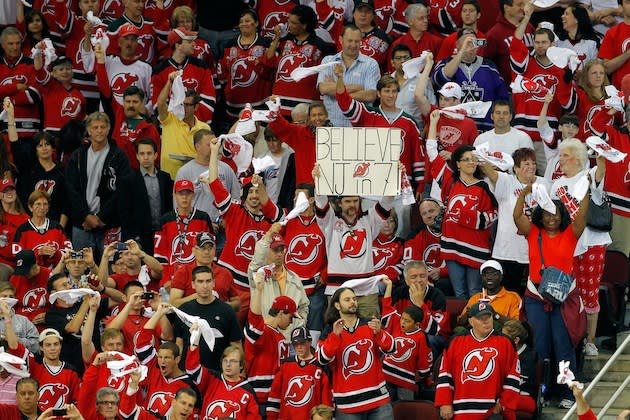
(458,392)
(132,126)
(358,387)
(508,304)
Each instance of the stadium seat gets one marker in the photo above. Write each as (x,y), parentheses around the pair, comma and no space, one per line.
(612,296)
(454,307)
(406,410)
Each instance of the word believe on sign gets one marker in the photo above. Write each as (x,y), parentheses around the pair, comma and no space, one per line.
(358,160)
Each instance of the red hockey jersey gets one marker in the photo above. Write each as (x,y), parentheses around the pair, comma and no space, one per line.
(617,180)
(302,138)
(12,76)
(31,294)
(160,390)
(306,251)
(149,44)
(388,254)
(125,133)
(196,76)
(527,105)
(294,54)
(245,74)
(61,105)
(389,17)
(413,357)
(594,116)
(355,360)
(272,13)
(613,45)
(58,385)
(7,233)
(425,246)
(221,398)
(174,242)
(445,16)
(298,386)
(242,230)
(435,319)
(265,346)
(29,236)
(475,373)
(375,44)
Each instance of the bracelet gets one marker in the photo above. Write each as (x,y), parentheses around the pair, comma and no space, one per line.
(11,124)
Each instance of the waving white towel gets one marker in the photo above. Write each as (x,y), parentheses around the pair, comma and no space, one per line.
(413,67)
(100,37)
(95,20)
(125,365)
(300,73)
(524,85)
(8,362)
(10,301)
(475,109)
(263,163)
(365,286)
(49,52)
(604,149)
(301,204)
(563,57)
(541,196)
(501,160)
(71,296)
(616,99)
(178,95)
(208,333)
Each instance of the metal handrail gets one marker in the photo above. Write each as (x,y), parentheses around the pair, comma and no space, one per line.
(601,373)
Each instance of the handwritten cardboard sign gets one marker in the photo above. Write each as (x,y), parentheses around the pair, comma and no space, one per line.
(358,160)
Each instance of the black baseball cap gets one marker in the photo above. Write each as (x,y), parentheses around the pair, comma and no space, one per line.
(24,261)
(300,335)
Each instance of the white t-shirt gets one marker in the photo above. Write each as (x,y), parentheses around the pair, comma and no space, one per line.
(508,245)
(506,143)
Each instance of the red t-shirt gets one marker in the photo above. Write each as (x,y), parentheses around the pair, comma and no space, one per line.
(223,281)
(558,251)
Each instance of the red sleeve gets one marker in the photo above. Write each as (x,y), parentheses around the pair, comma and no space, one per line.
(127,405)
(326,391)
(519,55)
(196,370)
(75,388)
(425,358)
(385,341)
(271,211)
(445,382)
(609,48)
(275,396)
(144,347)
(389,314)
(221,194)
(511,384)
(102,80)
(328,348)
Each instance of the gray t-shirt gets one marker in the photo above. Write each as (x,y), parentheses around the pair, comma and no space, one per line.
(95,162)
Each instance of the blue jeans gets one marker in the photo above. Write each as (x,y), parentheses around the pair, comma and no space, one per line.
(316,308)
(88,239)
(550,332)
(466,281)
(384,412)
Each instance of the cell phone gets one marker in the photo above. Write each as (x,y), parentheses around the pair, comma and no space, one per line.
(121,246)
(76,255)
(148,295)
(58,412)
(83,281)
(480,42)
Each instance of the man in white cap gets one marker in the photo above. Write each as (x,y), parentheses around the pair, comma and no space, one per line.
(507,304)
(58,382)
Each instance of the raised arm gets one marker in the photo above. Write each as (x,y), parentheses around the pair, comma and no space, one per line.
(87,346)
(579,223)
(7,105)
(162,101)
(519,33)
(520,219)
(423,80)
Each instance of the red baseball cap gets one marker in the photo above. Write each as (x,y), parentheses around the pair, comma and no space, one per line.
(276,241)
(285,304)
(6,184)
(183,185)
(180,34)
(128,29)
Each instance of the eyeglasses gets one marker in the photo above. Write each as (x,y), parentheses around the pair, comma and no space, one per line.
(107,402)
(468,160)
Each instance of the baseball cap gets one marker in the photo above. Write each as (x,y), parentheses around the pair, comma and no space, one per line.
(128,29)
(451,90)
(480,308)
(491,264)
(180,34)
(285,304)
(367,3)
(183,185)
(24,260)
(300,335)
(276,241)
(49,332)
(205,238)
(6,184)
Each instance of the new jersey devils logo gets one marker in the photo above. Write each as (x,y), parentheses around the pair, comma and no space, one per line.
(70,107)
(381,255)
(122,81)
(432,256)
(353,244)
(181,250)
(383,16)
(222,408)
(588,126)
(549,81)
(191,84)
(361,170)
(117,383)
(479,364)
(357,358)
(459,202)
(304,249)
(367,49)
(160,402)
(243,74)
(145,46)
(449,135)
(34,299)
(404,349)
(273,19)
(53,395)
(17,79)
(287,64)
(299,390)
(247,243)
(45,185)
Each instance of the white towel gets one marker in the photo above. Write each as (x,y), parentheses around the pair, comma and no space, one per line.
(300,73)
(501,160)
(240,150)
(524,85)
(408,197)
(100,37)
(604,149)
(616,99)
(10,301)
(301,204)
(71,296)
(263,163)
(246,123)
(541,196)
(566,376)
(49,52)
(143,277)
(93,19)
(208,333)
(126,365)
(544,3)
(8,362)
(413,67)
(475,109)
(563,57)
(365,286)
(178,95)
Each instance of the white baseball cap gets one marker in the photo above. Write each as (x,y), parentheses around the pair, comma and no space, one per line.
(451,90)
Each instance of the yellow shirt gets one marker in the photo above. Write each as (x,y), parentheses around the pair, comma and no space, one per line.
(177,143)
